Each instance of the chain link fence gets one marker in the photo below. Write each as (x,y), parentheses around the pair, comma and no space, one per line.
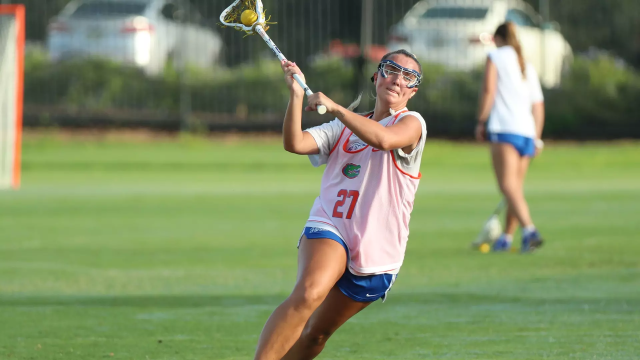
(167,64)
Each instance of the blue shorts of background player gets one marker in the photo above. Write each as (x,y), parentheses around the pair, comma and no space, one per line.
(366,288)
(524,145)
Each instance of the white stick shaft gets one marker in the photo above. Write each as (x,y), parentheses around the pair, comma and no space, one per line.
(500,207)
(263,34)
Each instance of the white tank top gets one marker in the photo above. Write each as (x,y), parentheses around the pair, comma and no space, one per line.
(511,112)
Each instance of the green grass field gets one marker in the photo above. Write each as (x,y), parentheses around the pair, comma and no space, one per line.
(180,249)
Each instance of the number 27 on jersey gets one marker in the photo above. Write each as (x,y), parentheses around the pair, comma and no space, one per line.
(343,195)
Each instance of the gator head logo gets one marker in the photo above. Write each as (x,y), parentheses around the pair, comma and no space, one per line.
(351,171)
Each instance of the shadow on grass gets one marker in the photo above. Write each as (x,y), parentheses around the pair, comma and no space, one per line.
(402,299)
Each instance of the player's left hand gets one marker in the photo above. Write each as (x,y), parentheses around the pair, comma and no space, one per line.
(539,147)
(318,99)
(481,131)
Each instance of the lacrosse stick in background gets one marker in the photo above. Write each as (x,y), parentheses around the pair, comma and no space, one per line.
(250,13)
(492,228)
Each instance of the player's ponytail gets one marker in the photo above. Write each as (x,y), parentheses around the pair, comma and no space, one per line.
(355,103)
(507,31)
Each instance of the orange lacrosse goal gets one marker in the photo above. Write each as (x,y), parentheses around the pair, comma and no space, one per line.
(12,38)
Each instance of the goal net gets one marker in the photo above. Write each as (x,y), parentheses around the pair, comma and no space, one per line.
(11,82)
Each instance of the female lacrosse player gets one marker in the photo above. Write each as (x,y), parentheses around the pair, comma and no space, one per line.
(512,104)
(354,241)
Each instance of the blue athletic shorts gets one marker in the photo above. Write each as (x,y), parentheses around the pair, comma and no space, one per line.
(525,146)
(359,288)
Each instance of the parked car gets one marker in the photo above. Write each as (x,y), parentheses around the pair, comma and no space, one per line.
(144,33)
(459,34)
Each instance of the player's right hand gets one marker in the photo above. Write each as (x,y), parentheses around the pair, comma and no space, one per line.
(289,68)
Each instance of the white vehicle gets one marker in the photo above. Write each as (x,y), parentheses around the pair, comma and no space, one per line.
(459,34)
(144,33)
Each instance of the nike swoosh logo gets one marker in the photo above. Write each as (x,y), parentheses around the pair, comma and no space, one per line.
(373,295)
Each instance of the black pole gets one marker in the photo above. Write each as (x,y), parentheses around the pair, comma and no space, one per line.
(544,13)
(366,38)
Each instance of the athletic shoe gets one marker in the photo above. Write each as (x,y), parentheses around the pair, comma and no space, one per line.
(501,244)
(531,241)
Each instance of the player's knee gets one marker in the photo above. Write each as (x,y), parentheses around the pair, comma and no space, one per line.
(314,337)
(509,188)
(307,297)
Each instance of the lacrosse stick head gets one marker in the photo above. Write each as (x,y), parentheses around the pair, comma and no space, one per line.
(490,232)
(244,15)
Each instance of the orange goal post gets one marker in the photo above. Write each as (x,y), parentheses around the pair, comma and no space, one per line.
(12,38)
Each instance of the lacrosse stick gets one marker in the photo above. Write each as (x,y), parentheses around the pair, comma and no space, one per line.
(252,20)
(492,228)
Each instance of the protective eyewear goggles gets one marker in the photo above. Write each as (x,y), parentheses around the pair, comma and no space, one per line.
(410,76)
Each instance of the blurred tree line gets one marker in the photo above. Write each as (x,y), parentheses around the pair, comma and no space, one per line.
(306,27)
(598,98)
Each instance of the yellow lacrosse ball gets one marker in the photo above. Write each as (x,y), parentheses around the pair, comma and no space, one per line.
(248,17)
(484,248)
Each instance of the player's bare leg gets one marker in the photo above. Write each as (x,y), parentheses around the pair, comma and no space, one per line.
(511,169)
(511,222)
(321,263)
(335,310)
(511,219)
(507,166)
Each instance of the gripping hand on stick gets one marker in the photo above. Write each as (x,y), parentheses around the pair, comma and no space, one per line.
(315,100)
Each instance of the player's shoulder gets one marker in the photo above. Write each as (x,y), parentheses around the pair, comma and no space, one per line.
(336,122)
(411,114)
(530,69)
(494,53)
(501,52)
(333,125)
(414,116)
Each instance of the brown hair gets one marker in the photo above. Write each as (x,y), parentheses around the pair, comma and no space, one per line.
(405,53)
(507,31)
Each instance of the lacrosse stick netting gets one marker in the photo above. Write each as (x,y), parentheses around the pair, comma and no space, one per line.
(492,228)
(232,16)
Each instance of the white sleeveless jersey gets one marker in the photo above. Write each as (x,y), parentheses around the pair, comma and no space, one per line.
(511,112)
(366,195)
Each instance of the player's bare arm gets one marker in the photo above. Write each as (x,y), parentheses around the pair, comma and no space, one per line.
(294,139)
(404,134)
